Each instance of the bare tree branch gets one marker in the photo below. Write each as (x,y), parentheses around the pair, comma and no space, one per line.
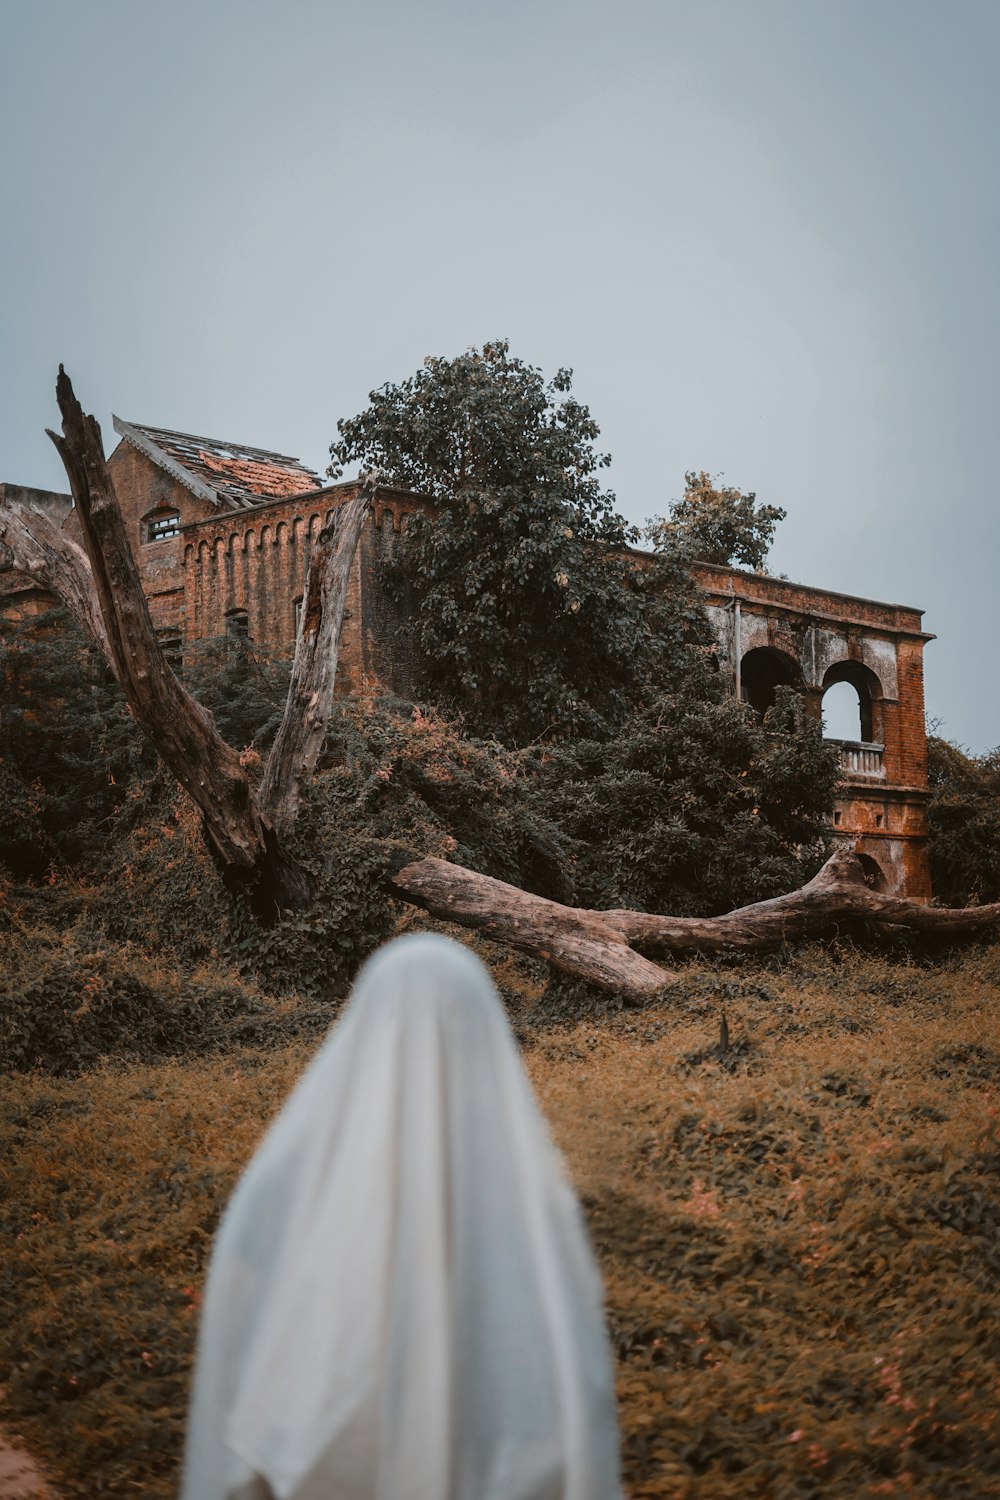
(304,723)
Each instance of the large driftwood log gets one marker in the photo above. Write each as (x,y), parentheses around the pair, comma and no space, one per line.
(579,942)
(835,896)
(613,949)
(247,828)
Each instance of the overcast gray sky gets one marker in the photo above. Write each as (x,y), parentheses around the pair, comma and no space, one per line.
(764,234)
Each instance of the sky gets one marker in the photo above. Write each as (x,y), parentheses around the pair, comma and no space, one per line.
(764,234)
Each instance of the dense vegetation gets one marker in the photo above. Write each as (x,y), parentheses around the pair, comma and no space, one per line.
(717,524)
(964,819)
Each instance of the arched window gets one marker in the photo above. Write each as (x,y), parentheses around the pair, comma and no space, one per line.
(852,704)
(875,876)
(762,671)
(842,713)
(170,645)
(237,633)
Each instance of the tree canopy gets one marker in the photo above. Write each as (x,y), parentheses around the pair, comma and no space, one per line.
(527,617)
(717,524)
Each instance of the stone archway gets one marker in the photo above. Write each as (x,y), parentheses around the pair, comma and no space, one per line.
(762,671)
(875,877)
(869,697)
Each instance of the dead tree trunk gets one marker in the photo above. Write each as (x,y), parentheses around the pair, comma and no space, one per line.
(246,828)
(303,727)
(35,546)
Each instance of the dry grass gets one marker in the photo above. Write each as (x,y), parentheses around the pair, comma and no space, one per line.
(800,1238)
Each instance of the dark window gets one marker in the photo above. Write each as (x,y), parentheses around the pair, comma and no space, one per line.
(762,671)
(170,645)
(162,526)
(237,634)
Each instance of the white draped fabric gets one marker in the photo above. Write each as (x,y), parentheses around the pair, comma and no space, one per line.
(402,1303)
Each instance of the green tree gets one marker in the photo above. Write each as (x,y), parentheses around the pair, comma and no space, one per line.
(527,616)
(717,524)
(964,823)
(697,807)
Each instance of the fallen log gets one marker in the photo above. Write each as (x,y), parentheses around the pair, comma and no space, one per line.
(579,942)
(613,949)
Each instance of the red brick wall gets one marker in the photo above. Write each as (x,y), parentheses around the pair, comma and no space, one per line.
(141,487)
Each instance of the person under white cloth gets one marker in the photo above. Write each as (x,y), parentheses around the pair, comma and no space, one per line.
(402,1303)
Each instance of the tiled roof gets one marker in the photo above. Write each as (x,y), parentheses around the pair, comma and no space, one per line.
(232,473)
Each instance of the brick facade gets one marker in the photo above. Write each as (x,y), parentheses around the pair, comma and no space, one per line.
(771,630)
(216,557)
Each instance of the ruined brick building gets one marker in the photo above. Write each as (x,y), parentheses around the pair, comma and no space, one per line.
(222,534)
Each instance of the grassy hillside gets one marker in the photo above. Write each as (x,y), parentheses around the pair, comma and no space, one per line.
(800,1236)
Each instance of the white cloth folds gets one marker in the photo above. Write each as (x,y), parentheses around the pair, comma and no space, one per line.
(401,1303)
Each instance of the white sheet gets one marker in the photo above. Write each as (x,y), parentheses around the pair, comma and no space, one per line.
(402,1304)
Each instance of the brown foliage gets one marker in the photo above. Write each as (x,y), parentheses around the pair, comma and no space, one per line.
(800,1235)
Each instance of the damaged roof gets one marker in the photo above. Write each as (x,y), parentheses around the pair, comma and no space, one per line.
(230,473)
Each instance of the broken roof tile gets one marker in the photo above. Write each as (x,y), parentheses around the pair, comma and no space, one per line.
(239,475)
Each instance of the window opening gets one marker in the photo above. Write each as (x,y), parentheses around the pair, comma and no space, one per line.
(237,633)
(852,704)
(161,527)
(842,719)
(762,671)
(170,645)
(875,878)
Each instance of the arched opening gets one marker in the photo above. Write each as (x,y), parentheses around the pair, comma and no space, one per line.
(842,713)
(875,878)
(762,671)
(237,634)
(852,704)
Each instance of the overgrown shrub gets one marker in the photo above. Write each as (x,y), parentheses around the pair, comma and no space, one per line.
(695,806)
(964,823)
(63,1008)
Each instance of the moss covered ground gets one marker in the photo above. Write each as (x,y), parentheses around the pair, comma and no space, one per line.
(799,1232)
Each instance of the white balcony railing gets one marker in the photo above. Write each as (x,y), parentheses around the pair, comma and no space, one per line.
(860,759)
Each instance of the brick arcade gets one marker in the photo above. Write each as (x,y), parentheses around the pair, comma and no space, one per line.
(223,535)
